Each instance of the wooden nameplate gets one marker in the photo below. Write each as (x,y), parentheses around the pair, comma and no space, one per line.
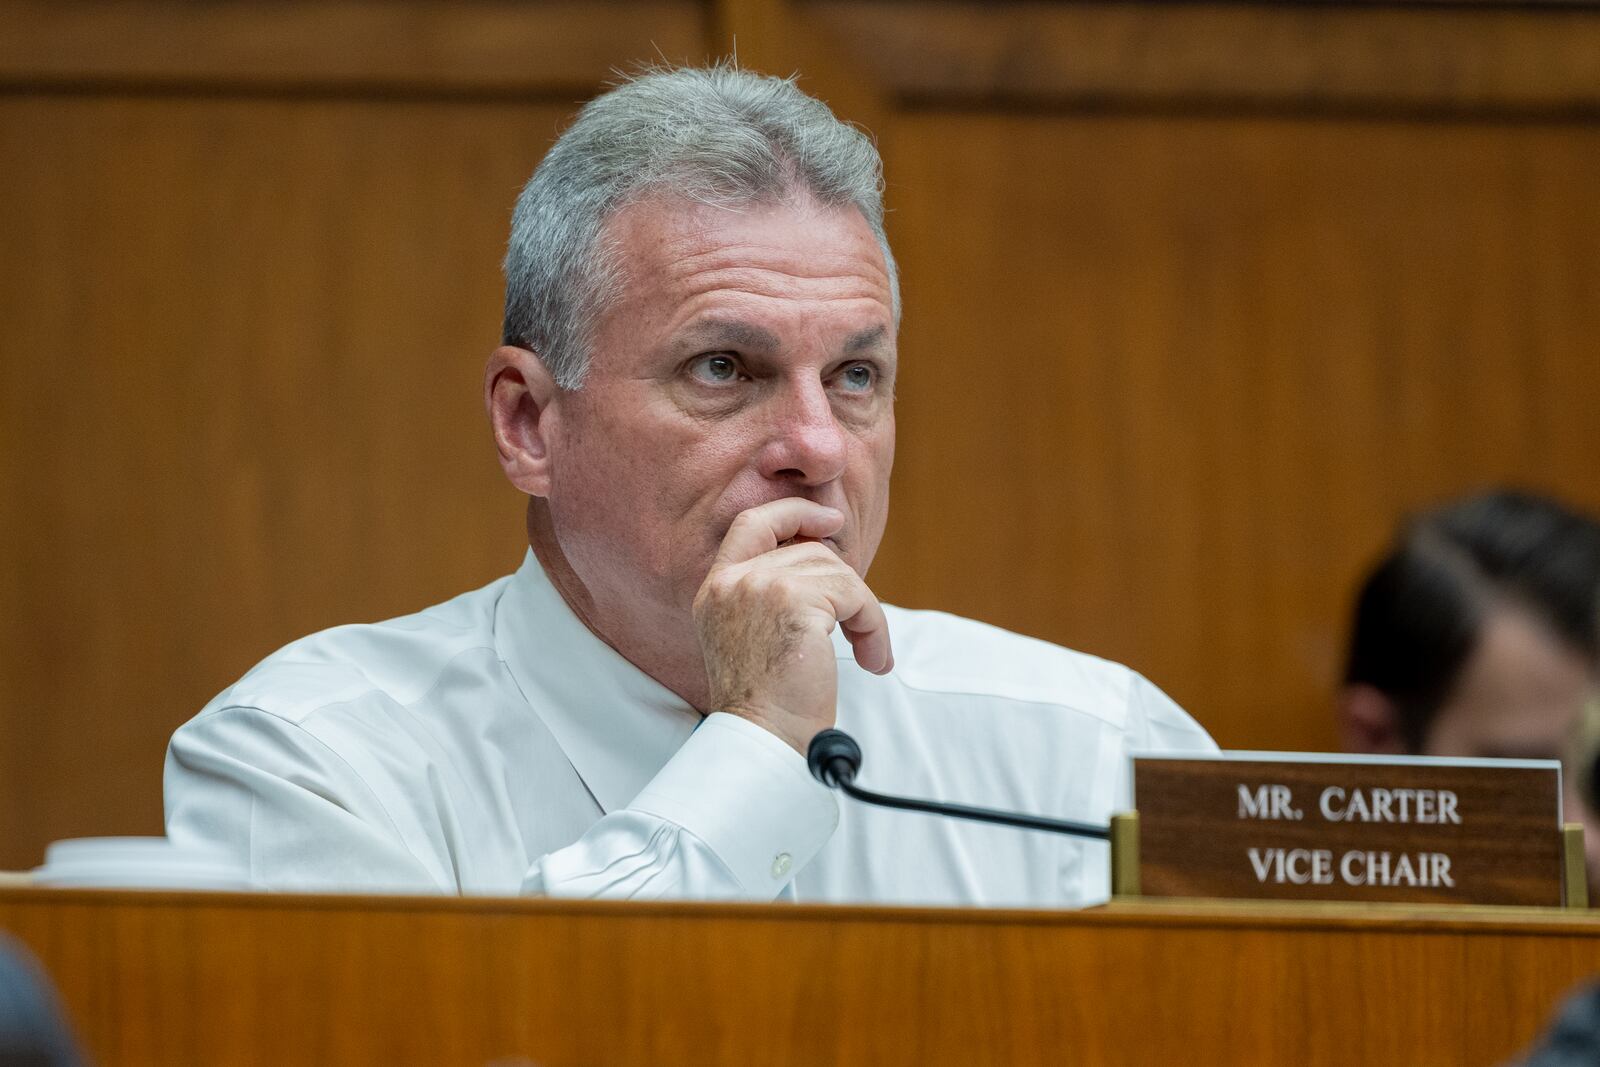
(1297,826)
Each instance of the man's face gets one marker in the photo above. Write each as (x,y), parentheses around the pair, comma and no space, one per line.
(751,356)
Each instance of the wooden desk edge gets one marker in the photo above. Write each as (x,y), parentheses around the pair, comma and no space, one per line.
(1217,914)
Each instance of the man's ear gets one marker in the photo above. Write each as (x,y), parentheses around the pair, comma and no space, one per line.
(519,394)
(1368,721)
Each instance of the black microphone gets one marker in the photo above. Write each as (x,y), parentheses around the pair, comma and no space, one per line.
(835,759)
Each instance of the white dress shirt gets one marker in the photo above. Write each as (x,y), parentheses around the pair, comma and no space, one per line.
(493,744)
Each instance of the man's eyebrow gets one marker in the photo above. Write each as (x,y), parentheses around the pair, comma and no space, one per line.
(723,333)
(864,340)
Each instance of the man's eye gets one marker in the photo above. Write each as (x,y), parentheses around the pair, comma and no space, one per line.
(715,369)
(858,377)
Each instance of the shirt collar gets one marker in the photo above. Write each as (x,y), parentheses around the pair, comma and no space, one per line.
(616,724)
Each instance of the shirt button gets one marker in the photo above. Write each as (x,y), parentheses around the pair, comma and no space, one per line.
(781,864)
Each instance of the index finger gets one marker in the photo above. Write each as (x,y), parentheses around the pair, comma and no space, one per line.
(761,529)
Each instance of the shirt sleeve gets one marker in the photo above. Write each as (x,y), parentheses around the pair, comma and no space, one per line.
(734,814)
(1155,724)
(285,808)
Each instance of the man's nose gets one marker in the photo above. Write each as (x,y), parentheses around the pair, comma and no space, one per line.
(807,445)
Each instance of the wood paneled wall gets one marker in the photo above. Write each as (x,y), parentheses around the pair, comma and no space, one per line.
(1172,380)
(246,303)
(1203,299)
(1199,301)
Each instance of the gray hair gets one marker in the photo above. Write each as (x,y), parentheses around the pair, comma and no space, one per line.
(715,135)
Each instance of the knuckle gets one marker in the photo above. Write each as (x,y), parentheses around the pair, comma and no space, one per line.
(746,585)
(716,587)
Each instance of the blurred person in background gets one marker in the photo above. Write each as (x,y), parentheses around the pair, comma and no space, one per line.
(1478,634)
(32,1030)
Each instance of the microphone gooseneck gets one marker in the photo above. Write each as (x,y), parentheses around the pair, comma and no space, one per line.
(835,759)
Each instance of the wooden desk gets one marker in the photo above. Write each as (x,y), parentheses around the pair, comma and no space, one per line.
(222,979)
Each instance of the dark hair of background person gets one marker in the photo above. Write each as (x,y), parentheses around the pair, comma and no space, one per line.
(1420,611)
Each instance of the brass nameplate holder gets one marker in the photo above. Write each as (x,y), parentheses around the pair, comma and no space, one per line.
(1294,826)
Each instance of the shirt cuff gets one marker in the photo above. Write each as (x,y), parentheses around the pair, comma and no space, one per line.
(749,797)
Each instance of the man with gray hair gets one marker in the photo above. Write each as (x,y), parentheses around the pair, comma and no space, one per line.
(696,392)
